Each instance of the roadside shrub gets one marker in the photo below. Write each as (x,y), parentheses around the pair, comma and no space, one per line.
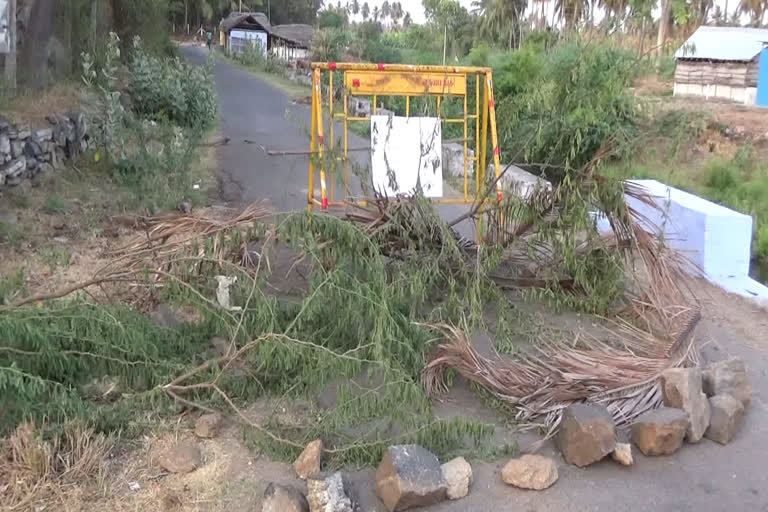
(377,51)
(576,106)
(171,89)
(517,71)
(478,55)
(327,45)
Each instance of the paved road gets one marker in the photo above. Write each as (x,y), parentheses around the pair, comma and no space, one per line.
(253,110)
(254,115)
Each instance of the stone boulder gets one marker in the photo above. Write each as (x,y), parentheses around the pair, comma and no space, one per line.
(183,457)
(729,377)
(727,418)
(587,434)
(681,389)
(458,475)
(308,462)
(623,454)
(207,426)
(661,431)
(283,498)
(530,472)
(328,495)
(410,476)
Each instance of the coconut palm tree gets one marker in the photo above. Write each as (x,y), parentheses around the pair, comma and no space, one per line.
(365,11)
(500,19)
(355,7)
(755,9)
(386,10)
(376,14)
(407,20)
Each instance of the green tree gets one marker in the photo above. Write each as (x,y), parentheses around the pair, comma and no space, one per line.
(407,20)
(385,10)
(499,20)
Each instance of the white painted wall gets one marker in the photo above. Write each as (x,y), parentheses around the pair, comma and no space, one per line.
(237,39)
(716,239)
(288,53)
(744,95)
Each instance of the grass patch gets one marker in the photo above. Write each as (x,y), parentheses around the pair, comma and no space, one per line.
(54,205)
(293,89)
(55,257)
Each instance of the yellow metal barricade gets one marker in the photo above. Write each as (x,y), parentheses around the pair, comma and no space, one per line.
(376,80)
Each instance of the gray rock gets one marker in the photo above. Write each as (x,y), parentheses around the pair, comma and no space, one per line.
(587,434)
(17,147)
(661,431)
(5,144)
(13,132)
(729,376)
(44,135)
(328,495)
(207,426)
(13,181)
(4,124)
(458,475)
(410,476)
(23,131)
(183,457)
(32,165)
(530,472)
(60,132)
(681,389)
(727,418)
(283,498)
(33,148)
(14,168)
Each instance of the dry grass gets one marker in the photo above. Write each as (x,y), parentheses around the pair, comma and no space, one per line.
(33,106)
(38,470)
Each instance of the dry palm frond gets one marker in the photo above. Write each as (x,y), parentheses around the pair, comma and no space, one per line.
(168,235)
(541,383)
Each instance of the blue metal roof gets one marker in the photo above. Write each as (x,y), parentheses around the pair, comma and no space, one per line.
(723,43)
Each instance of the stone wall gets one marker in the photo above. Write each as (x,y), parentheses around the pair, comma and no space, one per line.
(26,152)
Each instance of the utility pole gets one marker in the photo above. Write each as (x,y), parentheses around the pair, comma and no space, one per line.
(445,42)
(10,57)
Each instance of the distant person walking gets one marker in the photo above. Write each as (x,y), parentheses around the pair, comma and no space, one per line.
(209,39)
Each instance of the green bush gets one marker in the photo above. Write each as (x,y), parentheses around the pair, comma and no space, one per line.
(378,51)
(170,89)
(478,55)
(575,106)
(516,72)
